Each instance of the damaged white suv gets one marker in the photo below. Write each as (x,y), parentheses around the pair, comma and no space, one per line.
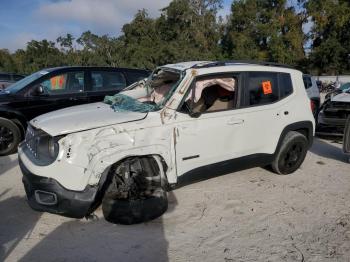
(190,119)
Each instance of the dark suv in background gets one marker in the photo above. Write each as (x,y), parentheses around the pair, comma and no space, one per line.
(55,88)
(7,79)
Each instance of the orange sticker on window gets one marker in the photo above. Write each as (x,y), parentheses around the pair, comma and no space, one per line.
(267,87)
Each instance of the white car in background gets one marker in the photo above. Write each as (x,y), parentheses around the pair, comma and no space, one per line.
(312,92)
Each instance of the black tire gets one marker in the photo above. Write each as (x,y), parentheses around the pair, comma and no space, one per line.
(10,137)
(129,212)
(135,193)
(291,154)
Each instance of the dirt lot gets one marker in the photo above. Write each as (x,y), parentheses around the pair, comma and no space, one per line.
(252,215)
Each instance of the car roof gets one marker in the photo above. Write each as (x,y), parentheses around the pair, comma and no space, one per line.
(210,64)
(51,69)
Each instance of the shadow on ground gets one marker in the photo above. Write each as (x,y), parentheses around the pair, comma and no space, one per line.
(17,220)
(328,150)
(81,240)
(7,163)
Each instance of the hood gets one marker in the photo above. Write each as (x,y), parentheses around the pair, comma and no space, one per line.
(83,117)
(343,97)
(4,96)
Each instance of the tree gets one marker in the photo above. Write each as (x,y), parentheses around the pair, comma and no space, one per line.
(7,63)
(264,30)
(330,35)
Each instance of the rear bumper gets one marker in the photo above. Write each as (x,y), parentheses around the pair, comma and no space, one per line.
(47,195)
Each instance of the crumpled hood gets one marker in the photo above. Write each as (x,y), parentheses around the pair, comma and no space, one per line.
(83,117)
(343,97)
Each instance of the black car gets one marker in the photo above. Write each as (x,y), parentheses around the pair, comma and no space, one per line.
(55,88)
(7,79)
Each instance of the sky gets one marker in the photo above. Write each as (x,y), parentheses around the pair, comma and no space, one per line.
(25,20)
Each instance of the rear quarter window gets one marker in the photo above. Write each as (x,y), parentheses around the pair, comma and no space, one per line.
(285,85)
(307,82)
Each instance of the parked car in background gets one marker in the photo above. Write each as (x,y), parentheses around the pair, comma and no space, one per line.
(333,114)
(344,87)
(187,120)
(313,93)
(7,79)
(55,88)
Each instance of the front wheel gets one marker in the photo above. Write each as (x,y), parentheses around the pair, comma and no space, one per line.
(136,192)
(291,154)
(10,136)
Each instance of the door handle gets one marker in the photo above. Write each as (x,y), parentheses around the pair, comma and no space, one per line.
(235,121)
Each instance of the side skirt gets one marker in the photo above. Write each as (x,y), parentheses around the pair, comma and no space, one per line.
(222,168)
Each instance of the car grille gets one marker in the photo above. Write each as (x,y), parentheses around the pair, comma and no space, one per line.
(31,140)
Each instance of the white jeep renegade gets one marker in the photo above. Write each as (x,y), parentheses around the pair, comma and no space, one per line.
(193,119)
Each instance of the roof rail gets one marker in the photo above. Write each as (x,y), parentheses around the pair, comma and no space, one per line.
(235,62)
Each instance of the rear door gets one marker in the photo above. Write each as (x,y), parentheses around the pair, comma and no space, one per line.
(61,89)
(265,109)
(135,75)
(104,82)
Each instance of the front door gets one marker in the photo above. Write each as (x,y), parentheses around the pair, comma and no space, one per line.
(60,91)
(207,134)
(206,140)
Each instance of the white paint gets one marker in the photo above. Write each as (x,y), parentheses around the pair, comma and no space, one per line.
(82,117)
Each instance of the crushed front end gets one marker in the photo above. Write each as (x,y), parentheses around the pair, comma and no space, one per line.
(37,160)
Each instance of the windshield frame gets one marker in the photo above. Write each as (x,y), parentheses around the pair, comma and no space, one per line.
(147,85)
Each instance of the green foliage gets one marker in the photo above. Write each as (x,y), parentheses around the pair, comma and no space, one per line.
(268,30)
(264,30)
(330,35)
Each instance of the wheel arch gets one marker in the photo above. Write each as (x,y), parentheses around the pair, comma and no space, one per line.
(102,164)
(304,127)
(106,178)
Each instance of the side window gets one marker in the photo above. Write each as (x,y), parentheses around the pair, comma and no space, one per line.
(17,77)
(136,76)
(307,82)
(71,82)
(107,81)
(5,77)
(262,88)
(212,94)
(285,85)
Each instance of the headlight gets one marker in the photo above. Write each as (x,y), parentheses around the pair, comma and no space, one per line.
(43,147)
(53,148)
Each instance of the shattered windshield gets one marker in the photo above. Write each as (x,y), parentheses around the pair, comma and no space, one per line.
(147,96)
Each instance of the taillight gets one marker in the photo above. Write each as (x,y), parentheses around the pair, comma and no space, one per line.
(313,106)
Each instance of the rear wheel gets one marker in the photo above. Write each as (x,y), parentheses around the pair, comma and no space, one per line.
(291,153)
(10,136)
(136,193)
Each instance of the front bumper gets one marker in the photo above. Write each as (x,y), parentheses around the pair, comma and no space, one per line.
(331,121)
(47,195)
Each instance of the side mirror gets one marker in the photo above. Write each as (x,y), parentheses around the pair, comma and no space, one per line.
(39,90)
(186,107)
(195,114)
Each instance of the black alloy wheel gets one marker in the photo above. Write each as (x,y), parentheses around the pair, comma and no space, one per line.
(10,136)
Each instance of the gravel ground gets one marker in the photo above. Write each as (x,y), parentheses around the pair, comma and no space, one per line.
(251,215)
